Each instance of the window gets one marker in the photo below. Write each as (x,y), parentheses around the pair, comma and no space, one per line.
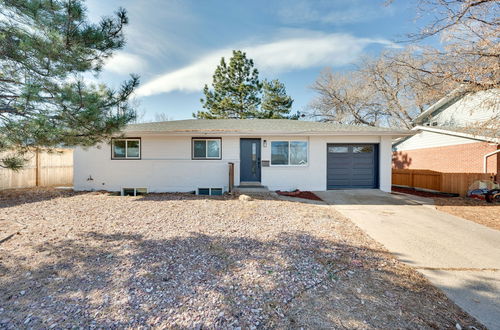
(210,191)
(126,149)
(141,191)
(362,149)
(203,191)
(207,148)
(338,149)
(216,191)
(134,191)
(128,192)
(289,153)
(279,153)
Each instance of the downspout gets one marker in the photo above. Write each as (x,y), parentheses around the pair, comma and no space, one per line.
(485,159)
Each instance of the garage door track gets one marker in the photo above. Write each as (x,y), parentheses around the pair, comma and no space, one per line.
(460,257)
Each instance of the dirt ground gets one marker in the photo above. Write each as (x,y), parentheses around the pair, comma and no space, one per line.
(481,212)
(422,193)
(182,261)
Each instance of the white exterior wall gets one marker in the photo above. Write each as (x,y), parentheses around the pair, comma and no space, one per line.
(385,163)
(166,165)
(313,176)
(425,139)
(472,108)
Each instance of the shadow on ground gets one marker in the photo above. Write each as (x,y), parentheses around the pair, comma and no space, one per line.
(14,197)
(204,281)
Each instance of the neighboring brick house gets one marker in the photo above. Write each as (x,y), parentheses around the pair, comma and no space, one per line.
(448,138)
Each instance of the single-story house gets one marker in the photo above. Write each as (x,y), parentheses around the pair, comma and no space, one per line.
(193,155)
(453,136)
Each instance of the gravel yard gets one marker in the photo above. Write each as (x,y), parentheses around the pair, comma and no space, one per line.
(182,261)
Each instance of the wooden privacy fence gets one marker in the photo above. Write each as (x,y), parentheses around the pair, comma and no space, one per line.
(457,183)
(43,169)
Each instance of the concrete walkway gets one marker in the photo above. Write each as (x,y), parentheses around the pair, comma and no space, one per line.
(460,257)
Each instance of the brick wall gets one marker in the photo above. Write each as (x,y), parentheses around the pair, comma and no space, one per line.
(464,158)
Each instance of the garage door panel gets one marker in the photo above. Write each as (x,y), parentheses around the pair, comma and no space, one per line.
(339,183)
(362,171)
(335,168)
(340,172)
(362,164)
(340,162)
(365,181)
(356,168)
(365,158)
(340,158)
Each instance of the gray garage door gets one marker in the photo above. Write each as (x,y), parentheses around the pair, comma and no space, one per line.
(352,166)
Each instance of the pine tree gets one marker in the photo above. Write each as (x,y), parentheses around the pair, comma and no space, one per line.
(236,89)
(46,48)
(276,104)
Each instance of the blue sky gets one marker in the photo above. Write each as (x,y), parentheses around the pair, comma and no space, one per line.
(175,45)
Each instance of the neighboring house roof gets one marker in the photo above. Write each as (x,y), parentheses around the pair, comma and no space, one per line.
(451,98)
(259,126)
(483,104)
(486,135)
(477,133)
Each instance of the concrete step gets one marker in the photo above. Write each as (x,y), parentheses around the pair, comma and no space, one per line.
(245,189)
(250,184)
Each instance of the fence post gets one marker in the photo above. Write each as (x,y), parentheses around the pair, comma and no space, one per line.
(441,178)
(231,177)
(37,168)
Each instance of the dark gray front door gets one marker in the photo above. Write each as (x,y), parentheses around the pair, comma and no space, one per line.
(352,166)
(250,160)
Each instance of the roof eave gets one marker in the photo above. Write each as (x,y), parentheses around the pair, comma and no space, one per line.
(459,134)
(267,133)
(436,106)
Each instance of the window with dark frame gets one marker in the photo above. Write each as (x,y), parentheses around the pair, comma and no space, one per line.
(129,148)
(292,153)
(206,148)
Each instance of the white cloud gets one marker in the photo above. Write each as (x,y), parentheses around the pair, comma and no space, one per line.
(124,63)
(156,28)
(278,56)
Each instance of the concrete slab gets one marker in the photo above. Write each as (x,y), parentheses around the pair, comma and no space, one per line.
(299,200)
(476,292)
(450,251)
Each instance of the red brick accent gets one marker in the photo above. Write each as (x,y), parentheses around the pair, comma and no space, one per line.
(462,158)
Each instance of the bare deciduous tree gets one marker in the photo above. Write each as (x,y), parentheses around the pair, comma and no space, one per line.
(343,98)
(377,93)
(470,34)
(469,31)
(394,88)
(161,116)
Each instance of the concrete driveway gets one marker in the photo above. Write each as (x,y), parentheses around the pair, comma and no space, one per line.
(460,257)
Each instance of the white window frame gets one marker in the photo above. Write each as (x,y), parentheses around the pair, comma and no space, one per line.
(206,148)
(288,165)
(126,148)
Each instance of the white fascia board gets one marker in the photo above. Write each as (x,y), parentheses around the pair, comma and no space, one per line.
(464,135)
(394,134)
